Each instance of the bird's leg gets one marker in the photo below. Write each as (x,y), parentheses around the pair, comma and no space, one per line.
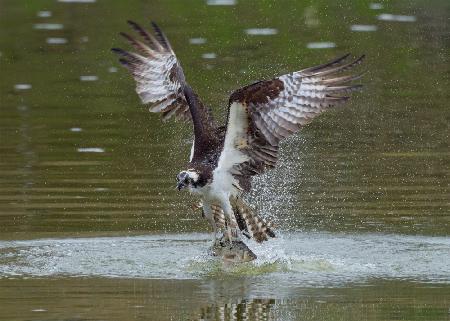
(228,221)
(228,232)
(208,214)
(214,231)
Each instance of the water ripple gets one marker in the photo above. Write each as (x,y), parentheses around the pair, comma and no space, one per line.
(295,258)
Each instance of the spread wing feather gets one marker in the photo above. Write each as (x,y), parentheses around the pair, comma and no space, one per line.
(264,113)
(159,77)
(160,82)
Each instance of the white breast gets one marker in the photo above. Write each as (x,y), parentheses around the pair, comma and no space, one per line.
(235,138)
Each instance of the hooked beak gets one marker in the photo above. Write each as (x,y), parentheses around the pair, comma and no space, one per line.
(180,186)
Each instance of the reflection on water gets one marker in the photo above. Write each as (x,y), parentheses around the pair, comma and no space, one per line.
(82,164)
(218,300)
(256,309)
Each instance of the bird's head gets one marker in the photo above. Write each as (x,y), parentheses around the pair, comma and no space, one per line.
(188,178)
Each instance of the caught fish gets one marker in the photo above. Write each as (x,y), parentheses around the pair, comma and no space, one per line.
(236,252)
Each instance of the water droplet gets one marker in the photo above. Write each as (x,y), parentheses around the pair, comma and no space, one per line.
(77,1)
(112,69)
(261,31)
(376,6)
(44,14)
(56,41)
(321,45)
(89,78)
(209,55)
(22,86)
(76,129)
(39,310)
(363,28)
(48,26)
(197,41)
(221,2)
(90,150)
(393,17)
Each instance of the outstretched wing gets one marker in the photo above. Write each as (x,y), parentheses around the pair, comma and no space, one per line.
(262,114)
(157,72)
(160,82)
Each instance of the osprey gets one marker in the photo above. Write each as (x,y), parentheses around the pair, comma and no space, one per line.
(224,159)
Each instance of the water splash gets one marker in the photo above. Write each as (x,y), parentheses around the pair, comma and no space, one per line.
(294,258)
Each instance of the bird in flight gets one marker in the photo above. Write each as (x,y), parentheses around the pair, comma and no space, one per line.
(224,158)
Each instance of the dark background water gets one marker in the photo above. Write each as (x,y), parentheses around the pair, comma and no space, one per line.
(85,158)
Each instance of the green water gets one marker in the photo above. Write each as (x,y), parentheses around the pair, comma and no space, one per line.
(380,166)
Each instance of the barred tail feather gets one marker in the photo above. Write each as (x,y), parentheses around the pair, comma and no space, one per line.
(258,228)
(245,218)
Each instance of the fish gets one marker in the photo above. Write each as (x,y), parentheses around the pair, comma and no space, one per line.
(236,252)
